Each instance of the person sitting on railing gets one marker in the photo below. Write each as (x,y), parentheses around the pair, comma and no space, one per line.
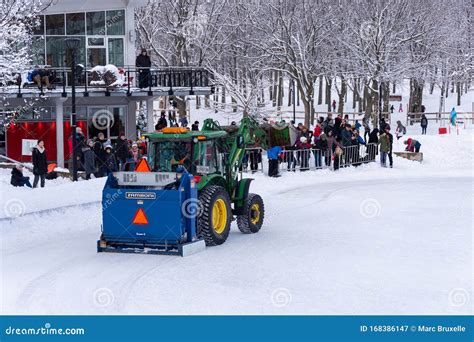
(412,145)
(143,63)
(40,76)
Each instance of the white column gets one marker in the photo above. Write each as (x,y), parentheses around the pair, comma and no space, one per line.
(60,132)
(150,125)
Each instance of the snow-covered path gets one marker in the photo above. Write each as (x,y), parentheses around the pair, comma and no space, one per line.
(359,241)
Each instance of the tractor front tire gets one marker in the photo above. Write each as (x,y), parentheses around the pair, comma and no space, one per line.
(213,223)
(252,219)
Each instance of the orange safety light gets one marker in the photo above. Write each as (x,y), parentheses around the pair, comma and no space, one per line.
(201,137)
(140,217)
(175,130)
(142,166)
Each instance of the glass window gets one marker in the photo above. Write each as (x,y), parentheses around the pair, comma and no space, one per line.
(96,57)
(37,50)
(55,24)
(58,56)
(95,41)
(116,54)
(38,25)
(204,157)
(96,23)
(75,23)
(115,23)
(166,156)
(81,113)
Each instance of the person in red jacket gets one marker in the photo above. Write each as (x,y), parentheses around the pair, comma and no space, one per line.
(317,131)
(412,145)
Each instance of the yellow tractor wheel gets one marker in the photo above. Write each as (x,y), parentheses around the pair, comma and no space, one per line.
(214,221)
(252,219)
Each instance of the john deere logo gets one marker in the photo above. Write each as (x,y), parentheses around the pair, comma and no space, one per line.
(140,195)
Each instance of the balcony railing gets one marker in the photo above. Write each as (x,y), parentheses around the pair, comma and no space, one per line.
(132,79)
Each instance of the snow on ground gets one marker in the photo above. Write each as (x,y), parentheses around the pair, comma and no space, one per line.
(360,240)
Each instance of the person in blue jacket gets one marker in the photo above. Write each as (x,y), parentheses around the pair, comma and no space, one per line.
(273,154)
(453,116)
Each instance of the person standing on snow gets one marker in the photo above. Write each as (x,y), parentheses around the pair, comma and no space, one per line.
(40,165)
(392,108)
(386,145)
(89,158)
(304,153)
(424,124)
(400,108)
(110,163)
(400,131)
(453,117)
(333,105)
(273,154)
(412,145)
(121,150)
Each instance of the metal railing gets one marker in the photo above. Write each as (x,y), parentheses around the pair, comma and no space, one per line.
(133,78)
(415,118)
(311,159)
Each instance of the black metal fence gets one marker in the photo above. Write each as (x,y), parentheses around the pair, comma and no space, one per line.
(130,78)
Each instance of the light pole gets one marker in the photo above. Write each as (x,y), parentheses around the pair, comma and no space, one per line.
(72,44)
(294,102)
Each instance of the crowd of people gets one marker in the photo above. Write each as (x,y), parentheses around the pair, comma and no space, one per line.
(329,143)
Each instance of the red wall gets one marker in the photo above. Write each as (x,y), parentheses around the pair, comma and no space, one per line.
(38,130)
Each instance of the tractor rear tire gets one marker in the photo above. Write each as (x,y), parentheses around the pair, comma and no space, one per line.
(213,223)
(252,219)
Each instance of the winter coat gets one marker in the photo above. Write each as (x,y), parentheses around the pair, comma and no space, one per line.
(89,160)
(273,152)
(121,149)
(143,61)
(110,164)
(195,127)
(302,146)
(346,137)
(360,140)
(331,143)
(412,144)
(321,144)
(373,136)
(17,177)
(317,131)
(400,131)
(40,165)
(162,123)
(99,151)
(424,121)
(386,141)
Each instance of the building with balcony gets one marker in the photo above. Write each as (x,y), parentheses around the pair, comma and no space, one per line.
(106,33)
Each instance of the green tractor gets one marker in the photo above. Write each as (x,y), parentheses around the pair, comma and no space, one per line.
(213,156)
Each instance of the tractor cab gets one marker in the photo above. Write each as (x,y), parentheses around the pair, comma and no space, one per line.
(200,153)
